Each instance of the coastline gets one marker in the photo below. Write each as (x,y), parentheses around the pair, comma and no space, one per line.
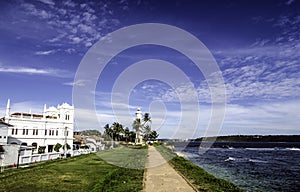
(200,179)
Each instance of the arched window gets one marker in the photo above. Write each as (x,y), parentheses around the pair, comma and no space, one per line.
(34,145)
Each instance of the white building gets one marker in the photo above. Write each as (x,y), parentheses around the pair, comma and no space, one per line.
(54,126)
(4,132)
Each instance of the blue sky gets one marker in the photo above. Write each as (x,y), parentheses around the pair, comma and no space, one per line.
(256,45)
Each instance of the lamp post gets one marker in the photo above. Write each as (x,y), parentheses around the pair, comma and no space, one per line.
(65,148)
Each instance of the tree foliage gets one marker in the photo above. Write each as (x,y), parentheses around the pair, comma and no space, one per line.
(57,147)
(114,132)
(91,132)
(41,149)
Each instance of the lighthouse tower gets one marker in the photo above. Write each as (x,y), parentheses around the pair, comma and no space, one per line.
(139,136)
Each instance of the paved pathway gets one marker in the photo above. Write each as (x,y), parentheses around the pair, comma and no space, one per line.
(160,176)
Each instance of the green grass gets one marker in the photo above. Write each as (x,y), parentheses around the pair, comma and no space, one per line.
(129,157)
(197,176)
(82,173)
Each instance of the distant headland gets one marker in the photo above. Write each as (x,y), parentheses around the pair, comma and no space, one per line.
(252,138)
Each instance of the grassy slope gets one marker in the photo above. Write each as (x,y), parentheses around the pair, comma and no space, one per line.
(82,173)
(202,180)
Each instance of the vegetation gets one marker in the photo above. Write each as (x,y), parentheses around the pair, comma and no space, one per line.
(133,157)
(91,132)
(41,149)
(57,147)
(200,179)
(116,132)
(67,145)
(145,125)
(81,173)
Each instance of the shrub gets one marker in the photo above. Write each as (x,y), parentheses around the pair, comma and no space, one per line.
(57,147)
(41,149)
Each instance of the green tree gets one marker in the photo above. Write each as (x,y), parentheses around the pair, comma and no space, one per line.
(57,147)
(147,118)
(147,132)
(153,136)
(126,134)
(108,132)
(91,132)
(132,136)
(146,126)
(117,130)
(67,146)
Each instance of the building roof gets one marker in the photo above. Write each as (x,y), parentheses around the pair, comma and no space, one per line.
(3,123)
(33,115)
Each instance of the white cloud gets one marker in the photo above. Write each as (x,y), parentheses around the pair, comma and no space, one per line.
(262,118)
(36,71)
(58,21)
(49,2)
(79,83)
(32,10)
(50,52)
(76,40)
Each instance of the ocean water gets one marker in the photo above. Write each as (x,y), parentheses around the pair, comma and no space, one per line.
(252,169)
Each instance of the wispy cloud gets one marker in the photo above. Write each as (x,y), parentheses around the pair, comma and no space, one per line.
(50,52)
(49,2)
(78,23)
(36,71)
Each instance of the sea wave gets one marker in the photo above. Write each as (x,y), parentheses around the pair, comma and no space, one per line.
(293,149)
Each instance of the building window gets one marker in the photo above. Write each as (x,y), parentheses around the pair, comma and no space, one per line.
(67,117)
(16,133)
(56,132)
(49,132)
(67,133)
(26,131)
(35,131)
(34,145)
(52,132)
(4,137)
(0,137)
(12,131)
(45,131)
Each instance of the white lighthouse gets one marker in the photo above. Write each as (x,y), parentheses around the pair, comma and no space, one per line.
(138,118)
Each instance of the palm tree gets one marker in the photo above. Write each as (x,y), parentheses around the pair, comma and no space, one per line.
(117,130)
(147,118)
(146,126)
(147,132)
(126,134)
(108,131)
(153,135)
